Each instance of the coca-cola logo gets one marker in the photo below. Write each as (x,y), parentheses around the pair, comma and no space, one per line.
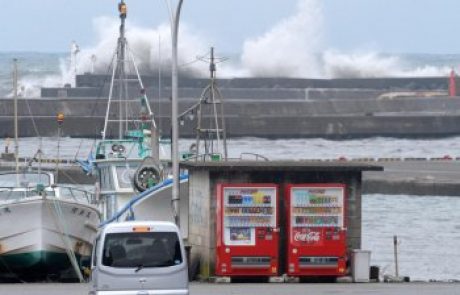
(307,237)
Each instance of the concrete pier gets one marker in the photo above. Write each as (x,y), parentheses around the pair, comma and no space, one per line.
(439,177)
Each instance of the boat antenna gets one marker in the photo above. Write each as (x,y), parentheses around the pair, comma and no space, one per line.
(211,104)
(15,97)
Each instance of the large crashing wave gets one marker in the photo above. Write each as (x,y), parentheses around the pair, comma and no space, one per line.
(294,48)
(291,48)
(151,48)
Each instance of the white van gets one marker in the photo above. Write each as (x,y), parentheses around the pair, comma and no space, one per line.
(139,258)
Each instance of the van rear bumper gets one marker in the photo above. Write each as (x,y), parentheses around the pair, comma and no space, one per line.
(141,292)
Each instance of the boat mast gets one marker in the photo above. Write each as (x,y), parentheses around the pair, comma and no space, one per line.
(211,105)
(123,56)
(118,69)
(15,96)
(122,8)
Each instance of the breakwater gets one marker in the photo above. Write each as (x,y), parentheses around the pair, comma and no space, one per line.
(274,118)
(258,107)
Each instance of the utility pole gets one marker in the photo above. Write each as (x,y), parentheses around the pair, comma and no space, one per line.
(174,115)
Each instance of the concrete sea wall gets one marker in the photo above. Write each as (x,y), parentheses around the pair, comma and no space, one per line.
(271,118)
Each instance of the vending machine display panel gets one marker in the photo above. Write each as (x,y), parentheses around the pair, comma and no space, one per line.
(247,230)
(316,229)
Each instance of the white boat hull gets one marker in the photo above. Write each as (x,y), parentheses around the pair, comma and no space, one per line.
(36,234)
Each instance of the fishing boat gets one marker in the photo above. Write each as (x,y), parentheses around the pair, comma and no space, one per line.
(133,172)
(127,160)
(46,228)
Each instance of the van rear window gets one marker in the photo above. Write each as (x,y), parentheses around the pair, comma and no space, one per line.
(141,250)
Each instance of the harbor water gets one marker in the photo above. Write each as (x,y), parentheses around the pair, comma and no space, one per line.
(279,149)
(427,227)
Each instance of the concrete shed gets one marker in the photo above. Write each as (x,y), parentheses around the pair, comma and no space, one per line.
(205,176)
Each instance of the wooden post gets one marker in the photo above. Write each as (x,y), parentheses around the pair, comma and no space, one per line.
(395,242)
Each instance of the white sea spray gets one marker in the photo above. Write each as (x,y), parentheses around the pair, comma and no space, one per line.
(293,47)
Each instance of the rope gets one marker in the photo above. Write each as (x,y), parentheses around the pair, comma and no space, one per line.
(94,107)
(79,147)
(62,226)
(32,118)
(37,133)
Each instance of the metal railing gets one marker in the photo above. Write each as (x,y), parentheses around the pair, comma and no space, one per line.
(13,194)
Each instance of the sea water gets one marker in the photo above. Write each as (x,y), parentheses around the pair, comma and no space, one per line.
(428,231)
(279,149)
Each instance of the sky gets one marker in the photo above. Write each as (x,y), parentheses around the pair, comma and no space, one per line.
(390,26)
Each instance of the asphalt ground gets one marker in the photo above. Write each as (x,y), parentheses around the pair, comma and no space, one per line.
(259,289)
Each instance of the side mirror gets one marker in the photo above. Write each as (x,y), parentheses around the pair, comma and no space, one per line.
(85,262)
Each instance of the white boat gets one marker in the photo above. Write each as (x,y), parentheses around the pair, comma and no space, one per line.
(45,228)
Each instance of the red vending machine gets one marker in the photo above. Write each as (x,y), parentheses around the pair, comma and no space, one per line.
(247,230)
(316,232)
